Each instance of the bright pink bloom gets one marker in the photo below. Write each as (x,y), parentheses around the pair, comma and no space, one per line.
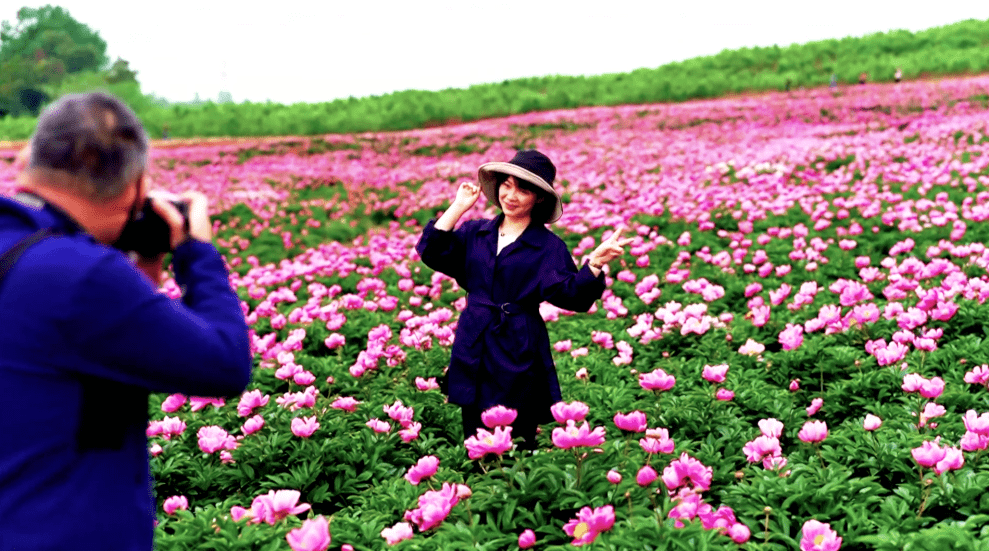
(377,425)
(155,450)
(724,395)
(632,422)
(175,503)
(912,382)
(173,403)
(589,523)
(237,512)
(401,531)
(972,442)
(434,507)
(277,505)
(213,438)
(346,403)
(424,468)
(715,373)
(931,411)
(928,454)
(249,401)
(426,384)
(497,442)
(771,427)
(304,378)
(978,376)
(171,426)
(398,412)
(197,403)
(573,436)
(953,460)
(614,476)
(646,476)
(563,346)
(335,340)
(313,536)
(818,536)
(527,539)
(978,424)
(252,425)
(656,380)
(815,406)
(739,532)
(498,416)
(574,411)
(687,471)
(304,427)
(872,422)
(657,441)
(792,337)
(932,388)
(794,385)
(763,446)
(813,432)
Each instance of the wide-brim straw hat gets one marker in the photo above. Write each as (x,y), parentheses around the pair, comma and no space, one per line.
(531,166)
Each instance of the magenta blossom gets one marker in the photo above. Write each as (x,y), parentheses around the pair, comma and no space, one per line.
(928,454)
(646,476)
(410,432)
(527,539)
(401,531)
(813,432)
(277,505)
(632,422)
(657,441)
(792,337)
(213,438)
(304,427)
(614,476)
(715,373)
(424,468)
(574,411)
(314,535)
(656,380)
(763,446)
(978,376)
(497,442)
(573,436)
(724,395)
(173,403)
(426,384)
(175,503)
(815,406)
(589,523)
(872,422)
(978,424)
(689,472)
(252,425)
(771,427)
(346,403)
(377,425)
(818,536)
(498,416)
(932,388)
(952,461)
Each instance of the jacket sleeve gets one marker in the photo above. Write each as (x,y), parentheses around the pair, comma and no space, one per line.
(445,251)
(564,286)
(127,331)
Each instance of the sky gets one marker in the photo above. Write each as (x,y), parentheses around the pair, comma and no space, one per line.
(312,51)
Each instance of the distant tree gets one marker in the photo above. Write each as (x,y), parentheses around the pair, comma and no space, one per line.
(120,71)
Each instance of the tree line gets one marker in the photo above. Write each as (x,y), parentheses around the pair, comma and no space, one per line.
(46,54)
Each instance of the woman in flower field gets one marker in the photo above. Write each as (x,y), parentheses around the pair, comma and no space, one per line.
(508,266)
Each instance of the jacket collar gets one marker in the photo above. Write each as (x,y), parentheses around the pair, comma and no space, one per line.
(39,213)
(533,235)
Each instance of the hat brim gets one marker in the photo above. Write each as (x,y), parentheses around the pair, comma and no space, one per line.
(486,178)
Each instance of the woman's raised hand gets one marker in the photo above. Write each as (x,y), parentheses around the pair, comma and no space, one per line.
(610,248)
(467,195)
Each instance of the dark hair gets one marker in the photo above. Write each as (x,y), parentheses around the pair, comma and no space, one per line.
(93,137)
(542,211)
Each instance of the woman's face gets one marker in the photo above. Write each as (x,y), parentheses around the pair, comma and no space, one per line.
(516,202)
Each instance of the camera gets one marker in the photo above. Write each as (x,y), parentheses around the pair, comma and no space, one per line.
(148,234)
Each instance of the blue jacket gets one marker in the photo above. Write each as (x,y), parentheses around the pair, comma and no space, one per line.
(84,337)
(501,352)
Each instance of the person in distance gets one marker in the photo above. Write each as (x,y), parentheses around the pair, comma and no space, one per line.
(508,266)
(86,335)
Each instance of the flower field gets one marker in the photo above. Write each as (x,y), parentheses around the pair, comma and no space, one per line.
(792,355)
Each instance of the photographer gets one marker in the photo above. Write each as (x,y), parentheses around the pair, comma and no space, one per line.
(86,335)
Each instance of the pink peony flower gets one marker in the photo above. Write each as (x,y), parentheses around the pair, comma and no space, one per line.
(498,416)
(632,422)
(173,403)
(932,388)
(175,503)
(424,468)
(794,385)
(715,373)
(497,442)
(818,536)
(304,427)
(314,535)
(739,532)
(928,454)
(237,512)
(250,401)
(815,406)
(426,384)
(645,476)
(197,403)
(213,438)
(277,505)
(563,346)
(434,507)
(346,403)
(401,531)
(573,436)
(912,382)
(872,422)
(792,337)
(953,460)
(589,523)
(155,450)
(656,380)
(771,427)
(975,423)
(377,425)
(410,432)
(614,476)
(760,448)
(573,411)
(813,432)
(657,441)
(724,395)
(978,376)
(687,471)
(972,442)
(527,539)
(335,340)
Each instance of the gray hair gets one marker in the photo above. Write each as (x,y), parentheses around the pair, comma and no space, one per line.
(95,139)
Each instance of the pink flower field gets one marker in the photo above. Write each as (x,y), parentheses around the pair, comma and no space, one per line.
(792,354)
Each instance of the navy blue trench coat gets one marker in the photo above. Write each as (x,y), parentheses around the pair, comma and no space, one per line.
(501,353)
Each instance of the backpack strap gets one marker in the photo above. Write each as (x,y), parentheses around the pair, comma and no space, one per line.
(8,258)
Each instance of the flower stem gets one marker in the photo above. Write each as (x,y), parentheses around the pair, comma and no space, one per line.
(817,448)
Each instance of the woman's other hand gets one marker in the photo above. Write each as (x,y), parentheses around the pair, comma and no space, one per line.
(609,249)
(467,195)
